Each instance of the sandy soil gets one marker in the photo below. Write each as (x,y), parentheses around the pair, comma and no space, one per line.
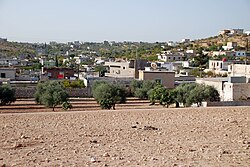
(142,137)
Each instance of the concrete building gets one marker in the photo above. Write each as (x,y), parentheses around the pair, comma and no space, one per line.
(231,32)
(226,53)
(3,39)
(127,69)
(88,81)
(9,62)
(219,65)
(230,89)
(166,78)
(230,46)
(240,53)
(8,73)
(185,40)
(168,56)
(239,70)
(46,62)
(171,43)
(236,88)
(56,73)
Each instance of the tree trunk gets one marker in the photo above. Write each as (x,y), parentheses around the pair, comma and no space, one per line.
(177,105)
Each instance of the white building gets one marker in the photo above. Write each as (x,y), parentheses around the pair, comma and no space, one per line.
(226,53)
(185,40)
(240,53)
(219,65)
(247,32)
(231,32)
(167,56)
(230,46)
(171,43)
(239,70)
(230,89)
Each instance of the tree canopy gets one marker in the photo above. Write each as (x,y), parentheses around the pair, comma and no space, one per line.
(51,94)
(7,95)
(108,95)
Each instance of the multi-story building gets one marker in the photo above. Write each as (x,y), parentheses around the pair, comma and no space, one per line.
(127,69)
(168,56)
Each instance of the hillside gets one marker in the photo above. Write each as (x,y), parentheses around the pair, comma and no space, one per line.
(222,40)
(14,48)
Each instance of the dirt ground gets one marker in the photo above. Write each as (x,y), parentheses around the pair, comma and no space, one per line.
(138,137)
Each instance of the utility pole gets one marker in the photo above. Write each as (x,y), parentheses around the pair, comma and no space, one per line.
(246,51)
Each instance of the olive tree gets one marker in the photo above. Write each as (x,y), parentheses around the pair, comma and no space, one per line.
(162,95)
(7,95)
(51,94)
(108,95)
(140,89)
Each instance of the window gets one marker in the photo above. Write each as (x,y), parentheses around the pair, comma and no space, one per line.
(3,75)
(158,81)
(124,68)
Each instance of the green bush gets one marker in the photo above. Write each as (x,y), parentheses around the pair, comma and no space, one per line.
(66,105)
(51,94)
(107,95)
(7,95)
(73,84)
(140,88)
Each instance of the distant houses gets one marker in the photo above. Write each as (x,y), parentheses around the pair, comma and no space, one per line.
(231,32)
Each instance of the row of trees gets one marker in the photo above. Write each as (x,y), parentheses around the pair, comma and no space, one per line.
(53,93)
(107,95)
(187,94)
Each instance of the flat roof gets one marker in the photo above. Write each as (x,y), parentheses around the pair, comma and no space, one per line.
(157,71)
(217,79)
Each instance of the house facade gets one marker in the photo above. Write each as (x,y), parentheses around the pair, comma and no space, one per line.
(219,65)
(8,73)
(167,56)
(56,73)
(239,70)
(166,78)
(123,69)
(230,89)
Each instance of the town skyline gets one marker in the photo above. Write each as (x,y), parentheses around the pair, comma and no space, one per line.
(97,21)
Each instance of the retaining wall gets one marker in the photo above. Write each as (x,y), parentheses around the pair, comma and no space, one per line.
(28,92)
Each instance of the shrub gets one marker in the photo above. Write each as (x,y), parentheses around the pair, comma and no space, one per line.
(7,95)
(107,95)
(66,105)
(140,89)
(51,94)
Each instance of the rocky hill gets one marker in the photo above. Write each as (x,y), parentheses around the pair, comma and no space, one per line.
(222,40)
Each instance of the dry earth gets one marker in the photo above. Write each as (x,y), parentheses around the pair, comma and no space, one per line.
(142,137)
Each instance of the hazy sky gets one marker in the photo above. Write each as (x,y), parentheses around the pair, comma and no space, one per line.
(119,20)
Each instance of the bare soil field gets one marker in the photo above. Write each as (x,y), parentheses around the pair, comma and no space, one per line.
(129,137)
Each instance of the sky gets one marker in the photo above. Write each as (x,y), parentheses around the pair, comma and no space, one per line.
(119,20)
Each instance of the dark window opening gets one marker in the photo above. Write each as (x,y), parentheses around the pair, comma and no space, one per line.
(3,75)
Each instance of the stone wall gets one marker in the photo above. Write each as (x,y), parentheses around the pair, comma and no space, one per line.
(226,103)
(28,92)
